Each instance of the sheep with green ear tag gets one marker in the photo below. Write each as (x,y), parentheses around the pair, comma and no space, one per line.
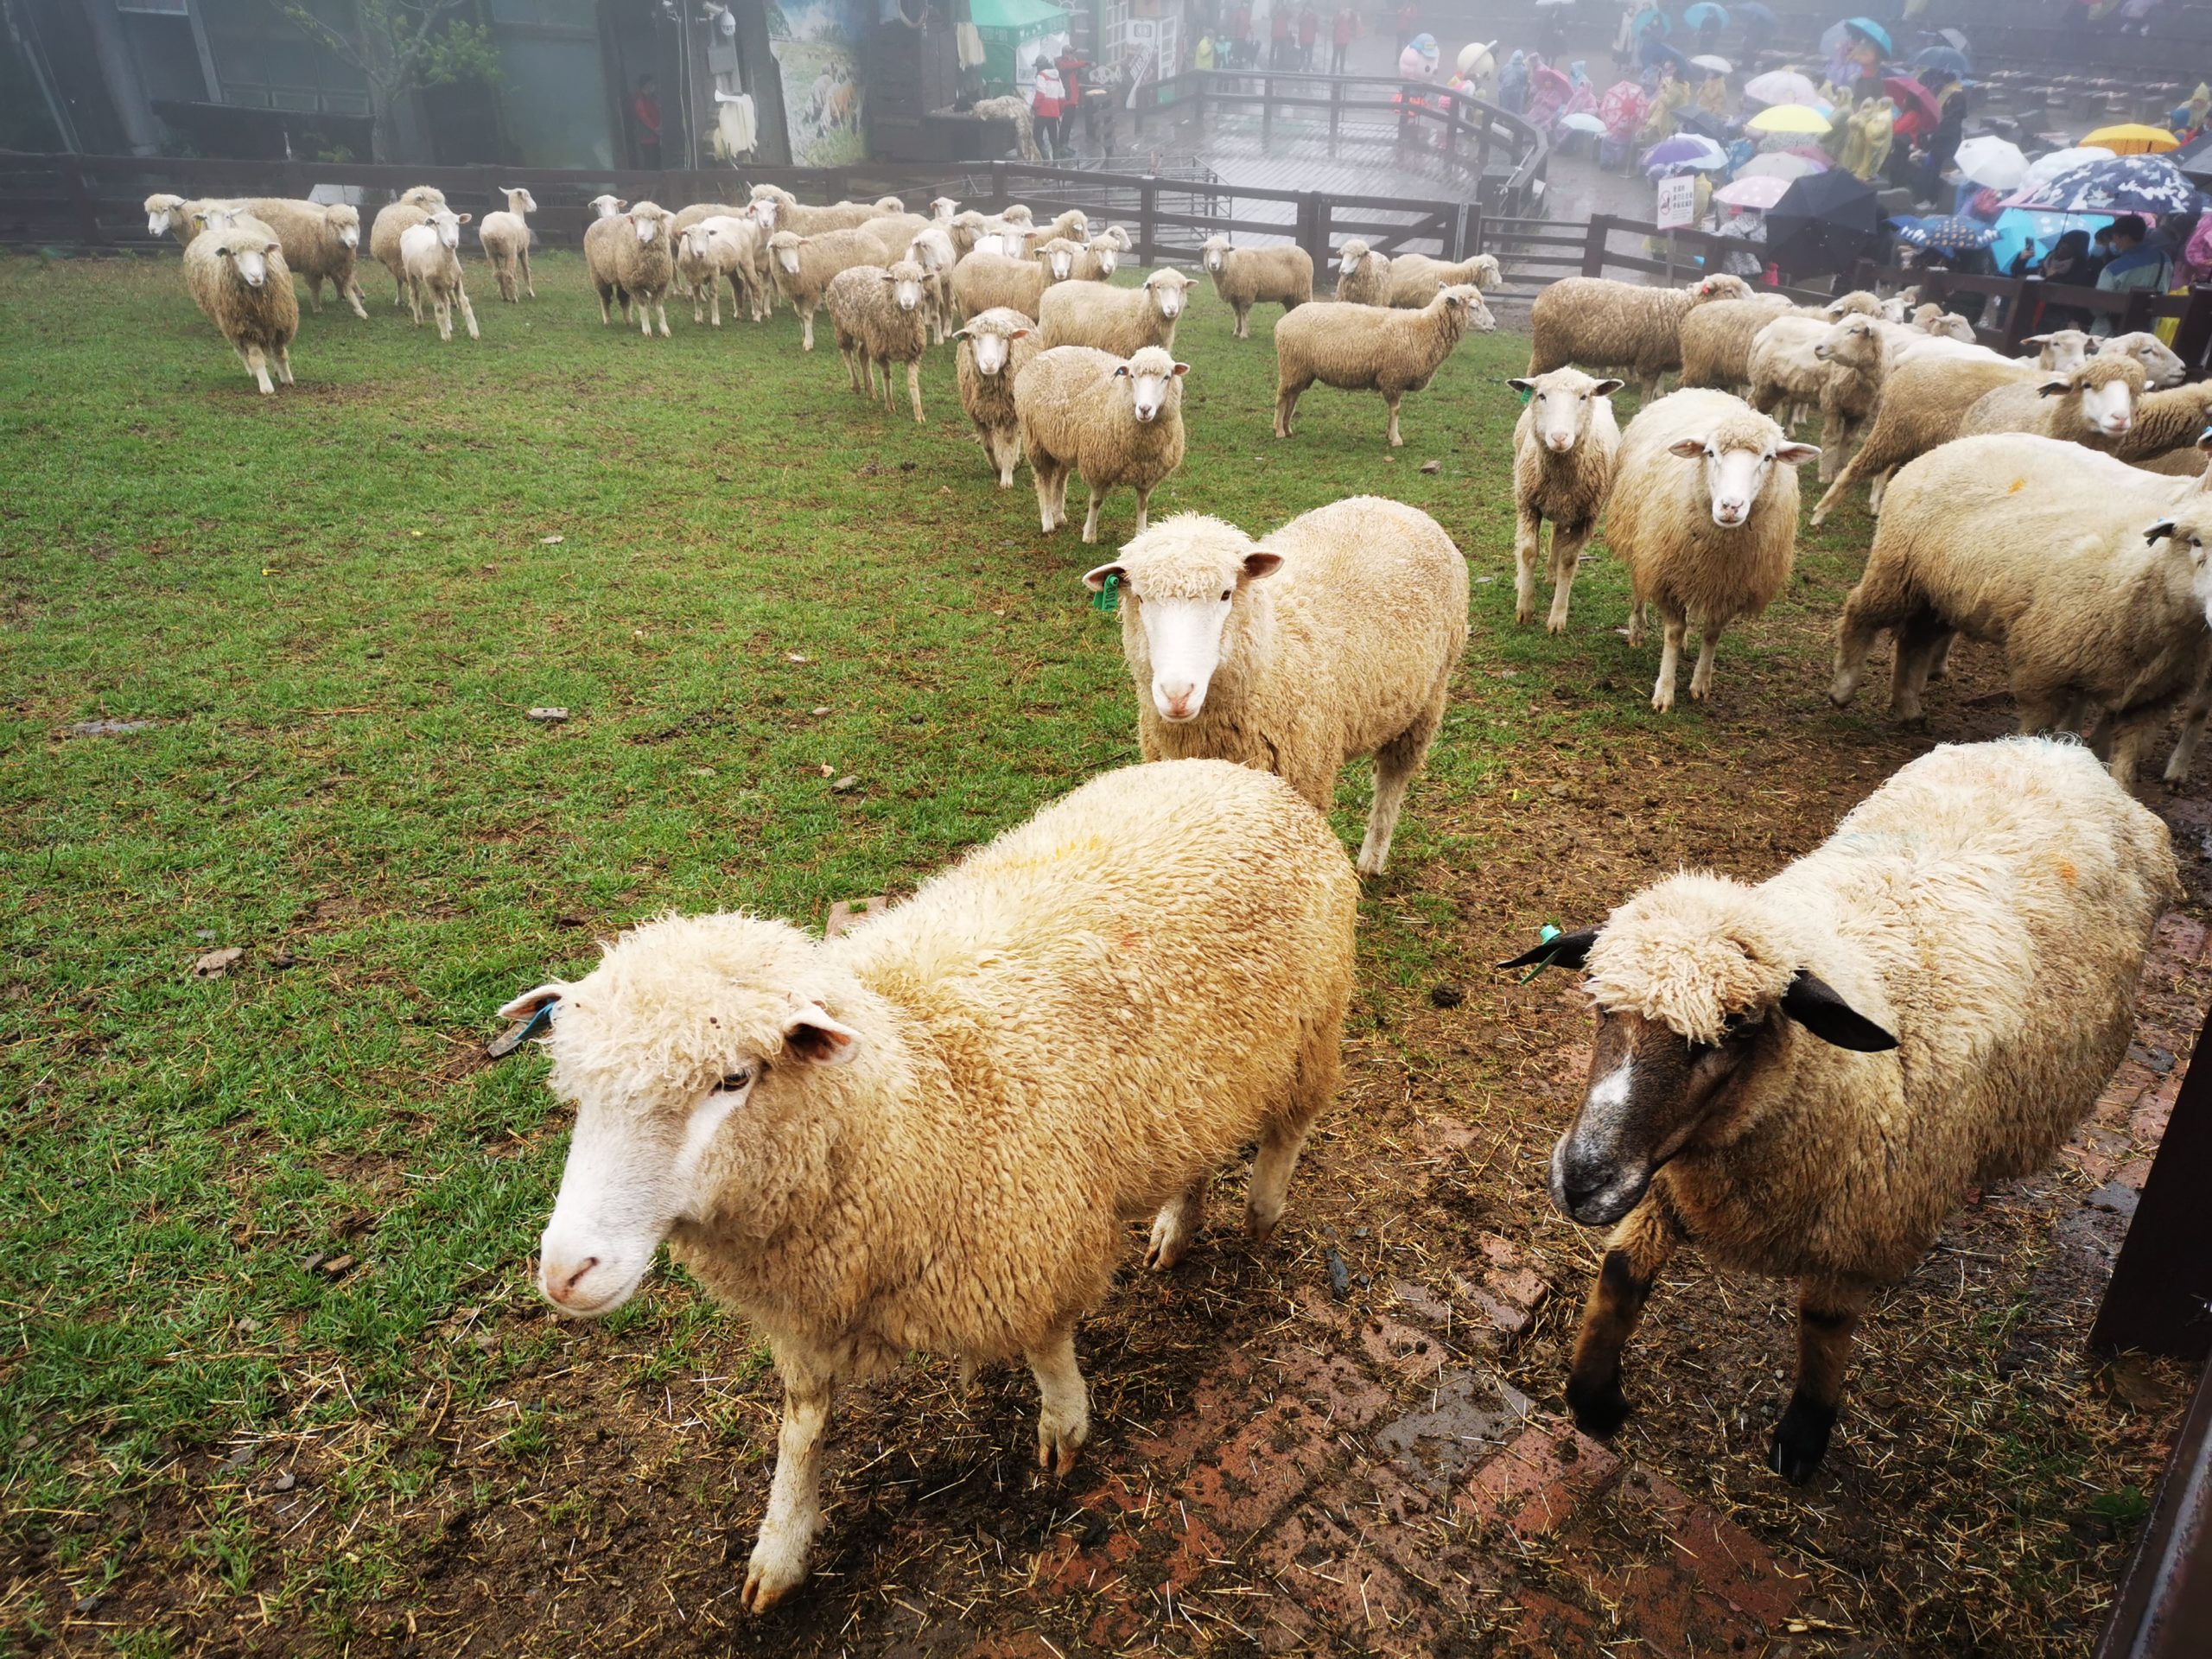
(1804,1077)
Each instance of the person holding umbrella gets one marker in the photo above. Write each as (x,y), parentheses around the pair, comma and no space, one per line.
(2140,265)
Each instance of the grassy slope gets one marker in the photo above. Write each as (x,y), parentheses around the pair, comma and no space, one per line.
(337,604)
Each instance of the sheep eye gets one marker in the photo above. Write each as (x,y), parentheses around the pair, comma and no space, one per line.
(733,1081)
(1224,595)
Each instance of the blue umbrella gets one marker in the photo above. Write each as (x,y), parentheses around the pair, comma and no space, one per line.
(2018,226)
(1704,12)
(1645,17)
(1873,30)
(2126,184)
(1944,60)
(1752,12)
(1948,233)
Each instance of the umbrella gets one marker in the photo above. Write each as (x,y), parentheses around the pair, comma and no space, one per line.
(2133,139)
(1989,159)
(2126,184)
(1873,30)
(1757,192)
(1911,95)
(2195,159)
(1752,12)
(1644,18)
(1780,165)
(1584,122)
(1622,109)
(1943,60)
(1790,118)
(1822,223)
(2045,168)
(1685,149)
(1781,86)
(1715,66)
(2018,226)
(1956,38)
(1705,11)
(1948,234)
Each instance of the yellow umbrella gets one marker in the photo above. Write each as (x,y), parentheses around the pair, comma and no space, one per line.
(1791,117)
(2134,139)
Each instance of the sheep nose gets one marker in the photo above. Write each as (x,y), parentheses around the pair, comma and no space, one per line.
(1177,699)
(1729,513)
(1560,442)
(564,1281)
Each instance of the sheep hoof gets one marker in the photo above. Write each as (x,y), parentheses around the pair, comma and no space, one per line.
(1801,1439)
(1170,1239)
(1598,1412)
(1057,1443)
(1525,615)
(776,1570)
(1555,624)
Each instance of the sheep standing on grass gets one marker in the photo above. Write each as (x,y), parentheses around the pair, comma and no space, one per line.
(1923,400)
(1338,636)
(878,316)
(1858,363)
(1704,513)
(169,214)
(1594,322)
(1122,321)
(238,278)
(779,210)
(724,246)
(932,250)
(994,346)
(2088,573)
(2094,405)
(1363,274)
(631,260)
(1716,340)
(1804,1077)
(1370,349)
(1415,277)
(1111,420)
(430,254)
(991,282)
(394,220)
(1565,451)
(805,266)
(506,237)
(321,243)
(1244,277)
(929,1133)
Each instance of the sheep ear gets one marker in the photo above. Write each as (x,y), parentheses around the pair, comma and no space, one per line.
(1568,950)
(1688,448)
(1796,455)
(2159,531)
(1018,333)
(1096,580)
(530,1001)
(464,218)
(2041,341)
(1524,387)
(961,333)
(1182,369)
(1607,388)
(2055,388)
(1120,370)
(1260,564)
(811,1035)
(1815,1005)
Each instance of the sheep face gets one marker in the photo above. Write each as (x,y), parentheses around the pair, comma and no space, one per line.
(1722,286)
(520,200)
(1060,259)
(2186,535)
(1736,469)
(250,260)
(1562,402)
(649,221)
(784,245)
(1170,291)
(346,222)
(2063,352)
(2107,406)
(669,1061)
(1853,342)
(942,208)
(1148,376)
(1108,254)
(905,279)
(447,224)
(990,349)
(606,207)
(1183,578)
(1216,254)
(1467,298)
(2160,367)
(765,208)
(161,212)
(1351,255)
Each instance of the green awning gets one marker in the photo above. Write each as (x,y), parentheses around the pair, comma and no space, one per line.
(1022,16)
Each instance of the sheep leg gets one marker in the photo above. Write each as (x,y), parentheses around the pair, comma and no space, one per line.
(1676,625)
(259,365)
(528,286)
(314,294)
(2132,735)
(1856,631)
(1243,327)
(644,313)
(1832,441)
(1836,492)
(660,312)
(914,396)
(2192,728)
(1395,765)
(779,1563)
(854,362)
(1828,1314)
(1708,641)
(1878,493)
(1639,612)
(1527,531)
(1005,451)
(1286,396)
(806,329)
(1144,511)
(1176,1225)
(1916,643)
(1090,519)
(1050,500)
(468,312)
(1390,398)
(443,308)
(284,363)
(1939,660)
(354,298)
(1566,559)
(1063,1421)
(1312,1086)
(1635,1255)
(605,316)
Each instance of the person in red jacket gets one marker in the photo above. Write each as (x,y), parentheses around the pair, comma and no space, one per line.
(1347,26)
(1240,35)
(1045,99)
(1072,68)
(1279,33)
(1309,32)
(644,109)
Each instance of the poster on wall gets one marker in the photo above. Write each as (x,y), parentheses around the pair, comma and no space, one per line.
(817,47)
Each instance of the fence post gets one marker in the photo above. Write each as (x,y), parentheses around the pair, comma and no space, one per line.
(1473,245)
(2193,336)
(81,199)
(1325,231)
(1336,113)
(2137,317)
(998,187)
(2016,316)
(1267,114)
(1148,206)
(1594,245)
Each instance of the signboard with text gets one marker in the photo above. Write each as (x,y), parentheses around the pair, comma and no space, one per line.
(1677,204)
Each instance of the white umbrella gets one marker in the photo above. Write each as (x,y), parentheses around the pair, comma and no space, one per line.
(1760,191)
(1781,86)
(1990,161)
(1779,164)
(1582,121)
(2045,168)
(1717,65)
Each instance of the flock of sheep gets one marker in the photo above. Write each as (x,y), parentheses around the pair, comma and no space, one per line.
(931,1132)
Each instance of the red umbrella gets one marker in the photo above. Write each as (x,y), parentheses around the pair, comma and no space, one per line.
(1913,96)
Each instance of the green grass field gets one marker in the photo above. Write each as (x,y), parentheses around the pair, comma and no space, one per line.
(286,1214)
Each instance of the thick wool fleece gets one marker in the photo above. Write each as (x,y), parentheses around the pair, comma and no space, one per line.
(1056,1035)
(1990,905)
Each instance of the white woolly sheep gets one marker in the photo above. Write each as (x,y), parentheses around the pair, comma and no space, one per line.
(1073,226)
(1102,257)
(1804,1077)
(1122,321)
(1016,110)
(933,251)
(1704,514)
(606,207)
(506,237)
(1335,637)
(806,1123)
(805,266)
(878,316)
(182,217)
(1244,277)
(237,276)
(1923,400)
(320,242)
(1786,377)
(1858,361)
(993,347)
(2088,573)
(415,205)
(632,259)
(725,246)
(2166,428)
(779,210)
(1565,449)
(2094,405)
(430,255)
(1370,349)
(2161,368)
(1363,274)
(1111,420)
(990,282)
(1414,277)
(1716,339)
(1596,323)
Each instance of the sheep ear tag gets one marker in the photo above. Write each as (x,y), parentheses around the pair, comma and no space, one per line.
(1559,949)
(539,1023)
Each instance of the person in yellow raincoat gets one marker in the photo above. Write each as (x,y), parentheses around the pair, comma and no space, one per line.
(1664,119)
(1713,94)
